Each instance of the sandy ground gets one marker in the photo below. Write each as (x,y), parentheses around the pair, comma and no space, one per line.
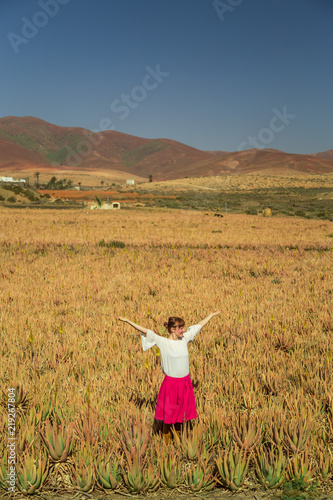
(175,494)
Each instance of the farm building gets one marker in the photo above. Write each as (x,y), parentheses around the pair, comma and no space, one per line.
(10,179)
(105,206)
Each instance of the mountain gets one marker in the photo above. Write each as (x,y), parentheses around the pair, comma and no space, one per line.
(31,144)
(326,154)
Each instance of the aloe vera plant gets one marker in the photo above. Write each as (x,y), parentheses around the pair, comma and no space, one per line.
(31,474)
(275,429)
(44,411)
(226,436)
(136,440)
(325,463)
(170,469)
(283,343)
(138,476)
(88,428)
(21,397)
(107,471)
(58,441)
(297,434)
(270,467)
(213,433)
(247,431)
(199,478)
(189,441)
(232,466)
(152,478)
(134,479)
(249,401)
(26,437)
(83,469)
(301,469)
(272,382)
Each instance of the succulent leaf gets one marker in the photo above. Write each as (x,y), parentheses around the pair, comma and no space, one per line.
(232,467)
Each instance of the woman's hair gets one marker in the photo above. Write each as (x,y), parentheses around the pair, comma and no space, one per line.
(173,322)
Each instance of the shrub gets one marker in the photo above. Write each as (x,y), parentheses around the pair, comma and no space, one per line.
(111,244)
(30,196)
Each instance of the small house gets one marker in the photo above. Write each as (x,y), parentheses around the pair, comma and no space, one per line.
(7,179)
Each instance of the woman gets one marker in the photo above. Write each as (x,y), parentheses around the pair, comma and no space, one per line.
(175,402)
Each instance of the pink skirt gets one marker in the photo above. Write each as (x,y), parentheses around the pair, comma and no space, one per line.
(176,401)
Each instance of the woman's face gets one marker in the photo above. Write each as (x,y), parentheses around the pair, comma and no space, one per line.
(178,331)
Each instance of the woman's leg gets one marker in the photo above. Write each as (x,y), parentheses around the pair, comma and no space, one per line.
(157,426)
(178,428)
(166,432)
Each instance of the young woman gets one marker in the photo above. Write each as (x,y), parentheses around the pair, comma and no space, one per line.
(175,402)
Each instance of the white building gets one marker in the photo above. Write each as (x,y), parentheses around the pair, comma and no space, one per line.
(7,179)
(105,206)
(10,179)
(130,181)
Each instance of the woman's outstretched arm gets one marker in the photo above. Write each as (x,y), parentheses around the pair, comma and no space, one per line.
(203,322)
(137,327)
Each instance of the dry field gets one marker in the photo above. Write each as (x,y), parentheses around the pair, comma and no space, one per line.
(127,197)
(241,182)
(85,392)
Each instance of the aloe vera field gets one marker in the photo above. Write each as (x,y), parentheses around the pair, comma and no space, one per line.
(78,393)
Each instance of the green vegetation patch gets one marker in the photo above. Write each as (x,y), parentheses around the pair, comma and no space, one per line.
(133,157)
(63,145)
(18,190)
(66,148)
(24,140)
(313,203)
(111,244)
(58,184)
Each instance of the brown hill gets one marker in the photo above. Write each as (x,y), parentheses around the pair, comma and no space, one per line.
(30,144)
(274,162)
(326,154)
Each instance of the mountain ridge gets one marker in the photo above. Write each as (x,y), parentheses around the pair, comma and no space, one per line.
(29,143)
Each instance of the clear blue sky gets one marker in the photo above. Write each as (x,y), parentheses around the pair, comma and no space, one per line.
(222,68)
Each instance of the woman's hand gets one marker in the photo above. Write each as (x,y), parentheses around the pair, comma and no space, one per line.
(204,322)
(121,318)
(137,327)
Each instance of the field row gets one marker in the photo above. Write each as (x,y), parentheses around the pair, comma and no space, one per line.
(263,368)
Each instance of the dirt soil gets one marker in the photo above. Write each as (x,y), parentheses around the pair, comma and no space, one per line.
(182,494)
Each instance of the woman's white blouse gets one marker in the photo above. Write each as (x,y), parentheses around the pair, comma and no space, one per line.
(174,353)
